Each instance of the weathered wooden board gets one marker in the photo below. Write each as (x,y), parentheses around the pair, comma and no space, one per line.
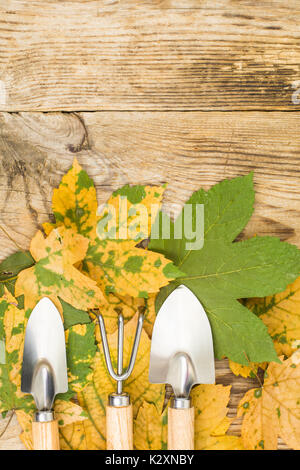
(188,150)
(149,55)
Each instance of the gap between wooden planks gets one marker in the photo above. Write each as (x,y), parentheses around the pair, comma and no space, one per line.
(149,55)
(188,150)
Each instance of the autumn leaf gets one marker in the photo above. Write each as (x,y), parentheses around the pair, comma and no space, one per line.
(74,203)
(116,265)
(10,268)
(123,269)
(223,271)
(12,330)
(54,273)
(81,350)
(281,314)
(73,316)
(150,428)
(246,371)
(74,437)
(131,211)
(273,410)
(211,421)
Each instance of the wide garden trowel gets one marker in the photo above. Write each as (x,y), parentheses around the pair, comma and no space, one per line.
(44,370)
(181,355)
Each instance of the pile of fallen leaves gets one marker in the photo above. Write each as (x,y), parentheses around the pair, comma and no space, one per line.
(84,275)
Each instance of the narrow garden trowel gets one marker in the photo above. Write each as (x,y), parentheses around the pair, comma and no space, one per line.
(44,370)
(181,355)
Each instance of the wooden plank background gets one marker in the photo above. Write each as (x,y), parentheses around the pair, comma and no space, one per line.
(187,92)
(183,55)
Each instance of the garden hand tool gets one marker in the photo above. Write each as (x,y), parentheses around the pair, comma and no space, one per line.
(44,370)
(119,420)
(181,355)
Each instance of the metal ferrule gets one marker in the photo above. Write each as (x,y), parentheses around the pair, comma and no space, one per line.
(44,416)
(118,400)
(180,403)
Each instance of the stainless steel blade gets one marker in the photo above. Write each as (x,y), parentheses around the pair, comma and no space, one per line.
(182,347)
(44,370)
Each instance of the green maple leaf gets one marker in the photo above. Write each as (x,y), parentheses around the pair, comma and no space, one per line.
(73,316)
(222,271)
(10,268)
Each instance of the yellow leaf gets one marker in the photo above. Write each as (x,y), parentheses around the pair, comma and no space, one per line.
(25,421)
(134,210)
(73,437)
(281,314)
(74,203)
(246,371)
(225,443)
(12,327)
(150,428)
(54,275)
(211,422)
(274,409)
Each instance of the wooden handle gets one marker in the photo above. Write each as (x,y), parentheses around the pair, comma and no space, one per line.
(119,432)
(45,435)
(181,429)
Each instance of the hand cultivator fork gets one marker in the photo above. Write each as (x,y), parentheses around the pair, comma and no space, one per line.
(119,427)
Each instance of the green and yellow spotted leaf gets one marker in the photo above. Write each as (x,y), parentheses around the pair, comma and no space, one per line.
(10,268)
(130,212)
(150,428)
(281,314)
(211,421)
(12,329)
(54,273)
(126,270)
(273,410)
(74,203)
(81,350)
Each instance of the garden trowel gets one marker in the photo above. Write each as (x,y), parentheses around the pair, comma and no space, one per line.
(181,355)
(44,370)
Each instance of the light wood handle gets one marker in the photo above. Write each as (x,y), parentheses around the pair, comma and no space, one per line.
(181,429)
(119,432)
(45,435)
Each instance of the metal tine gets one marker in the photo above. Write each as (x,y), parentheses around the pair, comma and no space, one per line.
(120,376)
(120,352)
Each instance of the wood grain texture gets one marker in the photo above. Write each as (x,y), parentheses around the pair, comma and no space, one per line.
(119,428)
(181,429)
(45,435)
(149,55)
(189,150)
